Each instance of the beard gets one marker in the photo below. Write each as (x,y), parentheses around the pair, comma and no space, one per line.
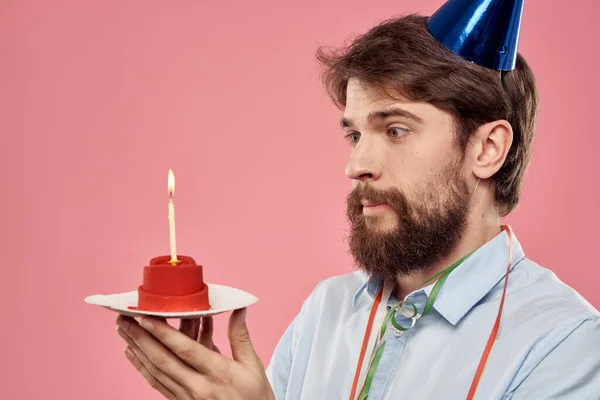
(426,230)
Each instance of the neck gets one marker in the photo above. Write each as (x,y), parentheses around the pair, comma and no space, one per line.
(483,225)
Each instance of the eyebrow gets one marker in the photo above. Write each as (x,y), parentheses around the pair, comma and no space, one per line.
(382,115)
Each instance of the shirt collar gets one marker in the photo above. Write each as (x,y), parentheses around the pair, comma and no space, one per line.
(468,283)
(372,286)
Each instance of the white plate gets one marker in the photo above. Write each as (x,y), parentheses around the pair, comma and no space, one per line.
(221,299)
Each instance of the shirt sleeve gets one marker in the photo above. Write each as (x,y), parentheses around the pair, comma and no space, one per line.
(278,370)
(571,370)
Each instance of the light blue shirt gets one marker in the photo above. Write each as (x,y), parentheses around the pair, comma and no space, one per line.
(548,346)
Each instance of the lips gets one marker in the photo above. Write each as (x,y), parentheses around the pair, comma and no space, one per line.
(367,203)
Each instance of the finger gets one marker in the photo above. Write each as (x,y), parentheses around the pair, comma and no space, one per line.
(242,349)
(190,327)
(124,320)
(157,375)
(206,333)
(161,360)
(179,391)
(141,368)
(192,353)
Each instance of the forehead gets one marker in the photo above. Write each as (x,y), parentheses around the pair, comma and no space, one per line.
(363,102)
(360,95)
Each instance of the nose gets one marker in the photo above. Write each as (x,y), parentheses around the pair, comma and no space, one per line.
(363,164)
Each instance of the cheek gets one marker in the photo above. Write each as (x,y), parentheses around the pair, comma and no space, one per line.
(429,158)
(411,169)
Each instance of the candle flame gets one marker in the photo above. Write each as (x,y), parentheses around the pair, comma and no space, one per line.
(171,183)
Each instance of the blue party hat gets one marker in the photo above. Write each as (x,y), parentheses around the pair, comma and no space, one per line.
(485,32)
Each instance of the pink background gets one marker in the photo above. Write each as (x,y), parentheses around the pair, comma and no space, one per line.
(101,98)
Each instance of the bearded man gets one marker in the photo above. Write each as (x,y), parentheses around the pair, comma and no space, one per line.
(440,115)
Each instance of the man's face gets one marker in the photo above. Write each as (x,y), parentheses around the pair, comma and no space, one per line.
(409,203)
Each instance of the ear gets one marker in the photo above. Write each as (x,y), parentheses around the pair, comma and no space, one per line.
(489,147)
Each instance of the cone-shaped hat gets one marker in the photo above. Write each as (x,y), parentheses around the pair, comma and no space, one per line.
(485,32)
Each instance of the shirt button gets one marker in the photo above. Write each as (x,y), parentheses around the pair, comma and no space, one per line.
(397,332)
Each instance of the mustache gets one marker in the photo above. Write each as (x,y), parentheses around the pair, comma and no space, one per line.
(366,192)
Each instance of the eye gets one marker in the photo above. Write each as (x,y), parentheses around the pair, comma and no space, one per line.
(352,137)
(397,132)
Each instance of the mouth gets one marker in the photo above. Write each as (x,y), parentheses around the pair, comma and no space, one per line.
(367,203)
(373,208)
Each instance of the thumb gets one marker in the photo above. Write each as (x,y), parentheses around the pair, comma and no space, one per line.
(239,338)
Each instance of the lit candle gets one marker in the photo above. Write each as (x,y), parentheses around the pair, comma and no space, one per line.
(171,185)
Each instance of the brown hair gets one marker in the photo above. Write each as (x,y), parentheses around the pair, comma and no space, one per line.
(400,57)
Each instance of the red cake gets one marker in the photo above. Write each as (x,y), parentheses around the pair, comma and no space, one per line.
(173,288)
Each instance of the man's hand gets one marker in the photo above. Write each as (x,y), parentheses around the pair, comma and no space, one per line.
(181,368)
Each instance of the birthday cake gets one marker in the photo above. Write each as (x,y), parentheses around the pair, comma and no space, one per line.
(173,288)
